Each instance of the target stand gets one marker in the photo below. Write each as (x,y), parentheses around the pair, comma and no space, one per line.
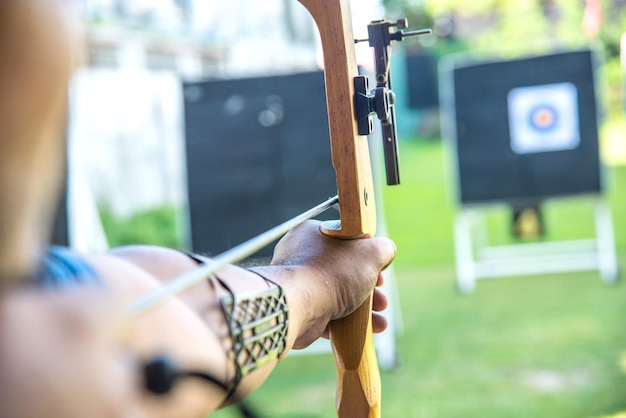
(523,132)
(477,259)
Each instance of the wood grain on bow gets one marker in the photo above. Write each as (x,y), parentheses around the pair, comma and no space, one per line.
(359,391)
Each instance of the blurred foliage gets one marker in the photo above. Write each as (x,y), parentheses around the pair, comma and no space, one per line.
(513,28)
(157,226)
(506,24)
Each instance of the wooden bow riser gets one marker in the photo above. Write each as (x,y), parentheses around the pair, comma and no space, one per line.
(358,378)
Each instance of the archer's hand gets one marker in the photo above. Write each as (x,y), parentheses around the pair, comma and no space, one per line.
(338,275)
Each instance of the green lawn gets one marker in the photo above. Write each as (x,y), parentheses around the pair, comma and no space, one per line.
(543,346)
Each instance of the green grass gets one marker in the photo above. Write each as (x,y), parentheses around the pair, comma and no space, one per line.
(530,347)
(541,346)
(419,212)
(158,226)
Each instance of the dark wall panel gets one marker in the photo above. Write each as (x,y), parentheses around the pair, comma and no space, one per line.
(257,154)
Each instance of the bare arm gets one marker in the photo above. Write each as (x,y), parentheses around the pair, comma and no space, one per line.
(62,356)
(323,279)
(36,59)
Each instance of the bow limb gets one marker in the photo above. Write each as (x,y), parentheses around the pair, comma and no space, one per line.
(359,389)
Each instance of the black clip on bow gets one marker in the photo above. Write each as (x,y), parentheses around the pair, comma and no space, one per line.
(381,99)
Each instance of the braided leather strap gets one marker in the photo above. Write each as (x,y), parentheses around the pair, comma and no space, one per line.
(258,323)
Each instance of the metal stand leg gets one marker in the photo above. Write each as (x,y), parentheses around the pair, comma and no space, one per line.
(465,268)
(478,260)
(605,241)
(385,342)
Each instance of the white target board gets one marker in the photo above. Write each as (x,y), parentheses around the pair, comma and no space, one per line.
(543,118)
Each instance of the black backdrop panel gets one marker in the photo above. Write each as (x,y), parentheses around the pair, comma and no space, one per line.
(258,154)
(60,227)
(488,168)
(422,80)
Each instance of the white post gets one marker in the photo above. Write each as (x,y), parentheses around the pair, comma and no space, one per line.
(465,268)
(605,242)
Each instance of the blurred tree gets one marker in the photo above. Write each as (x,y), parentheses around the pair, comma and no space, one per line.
(519,25)
(443,40)
(514,28)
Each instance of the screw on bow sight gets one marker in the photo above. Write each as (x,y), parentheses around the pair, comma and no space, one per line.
(381,99)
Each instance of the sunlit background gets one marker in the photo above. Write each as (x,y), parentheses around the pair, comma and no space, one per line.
(550,344)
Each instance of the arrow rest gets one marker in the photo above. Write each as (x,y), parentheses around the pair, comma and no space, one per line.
(381,100)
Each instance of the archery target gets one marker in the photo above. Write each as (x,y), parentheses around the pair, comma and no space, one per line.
(523,129)
(543,118)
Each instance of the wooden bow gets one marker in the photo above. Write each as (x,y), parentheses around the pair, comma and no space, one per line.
(359,389)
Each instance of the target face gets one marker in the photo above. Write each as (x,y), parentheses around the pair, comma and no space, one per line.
(543,118)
